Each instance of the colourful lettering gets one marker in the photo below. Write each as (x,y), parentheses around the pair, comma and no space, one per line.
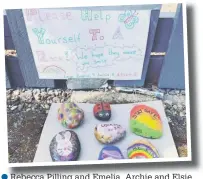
(97,55)
(48,16)
(82,56)
(94,33)
(130,52)
(113,53)
(41,55)
(75,38)
(89,15)
(86,15)
(30,13)
(40,34)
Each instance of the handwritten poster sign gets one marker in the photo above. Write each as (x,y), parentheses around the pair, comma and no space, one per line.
(88,43)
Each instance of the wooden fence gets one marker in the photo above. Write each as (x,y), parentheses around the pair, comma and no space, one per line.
(166,58)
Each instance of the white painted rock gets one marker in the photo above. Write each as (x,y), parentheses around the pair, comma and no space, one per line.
(109,133)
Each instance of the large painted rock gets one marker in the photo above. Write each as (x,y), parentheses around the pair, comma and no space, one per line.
(110,153)
(109,133)
(102,111)
(70,115)
(146,122)
(142,149)
(65,146)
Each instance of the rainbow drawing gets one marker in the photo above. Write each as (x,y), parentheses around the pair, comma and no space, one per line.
(142,149)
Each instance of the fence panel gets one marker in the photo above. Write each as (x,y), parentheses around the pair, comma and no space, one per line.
(172,72)
(22,45)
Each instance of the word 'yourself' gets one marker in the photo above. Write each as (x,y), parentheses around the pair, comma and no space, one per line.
(75,38)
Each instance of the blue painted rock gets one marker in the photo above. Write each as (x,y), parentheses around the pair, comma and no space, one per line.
(102,111)
(142,149)
(110,153)
(70,115)
(65,146)
(109,133)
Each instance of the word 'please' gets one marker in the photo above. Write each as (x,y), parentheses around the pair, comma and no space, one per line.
(32,14)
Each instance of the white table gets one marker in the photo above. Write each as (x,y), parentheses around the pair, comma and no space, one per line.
(90,147)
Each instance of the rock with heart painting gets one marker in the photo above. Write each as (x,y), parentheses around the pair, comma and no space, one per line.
(146,122)
(110,153)
(109,133)
(141,149)
(65,146)
(102,111)
(70,115)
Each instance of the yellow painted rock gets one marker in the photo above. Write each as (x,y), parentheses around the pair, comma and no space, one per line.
(146,122)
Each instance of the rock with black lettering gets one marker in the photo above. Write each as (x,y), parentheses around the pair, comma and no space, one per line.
(109,133)
(65,146)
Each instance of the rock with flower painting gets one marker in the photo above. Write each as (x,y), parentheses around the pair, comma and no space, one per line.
(70,115)
(65,146)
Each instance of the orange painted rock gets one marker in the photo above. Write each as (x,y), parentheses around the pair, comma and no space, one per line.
(146,122)
(142,149)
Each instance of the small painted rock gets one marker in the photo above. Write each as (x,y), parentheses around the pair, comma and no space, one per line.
(102,111)
(70,115)
(65,146)
(146,122)
(110,153)
(142,149)
(109,133)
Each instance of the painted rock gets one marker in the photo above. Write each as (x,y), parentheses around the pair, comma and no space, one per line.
(70,115)
(65,146)
(110,153)
(109,133)
(102,111)
(142,149)
(146,122)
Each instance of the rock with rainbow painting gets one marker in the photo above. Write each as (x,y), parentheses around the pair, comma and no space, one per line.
(142,149)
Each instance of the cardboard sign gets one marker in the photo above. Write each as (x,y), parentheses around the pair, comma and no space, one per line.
(88,43)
